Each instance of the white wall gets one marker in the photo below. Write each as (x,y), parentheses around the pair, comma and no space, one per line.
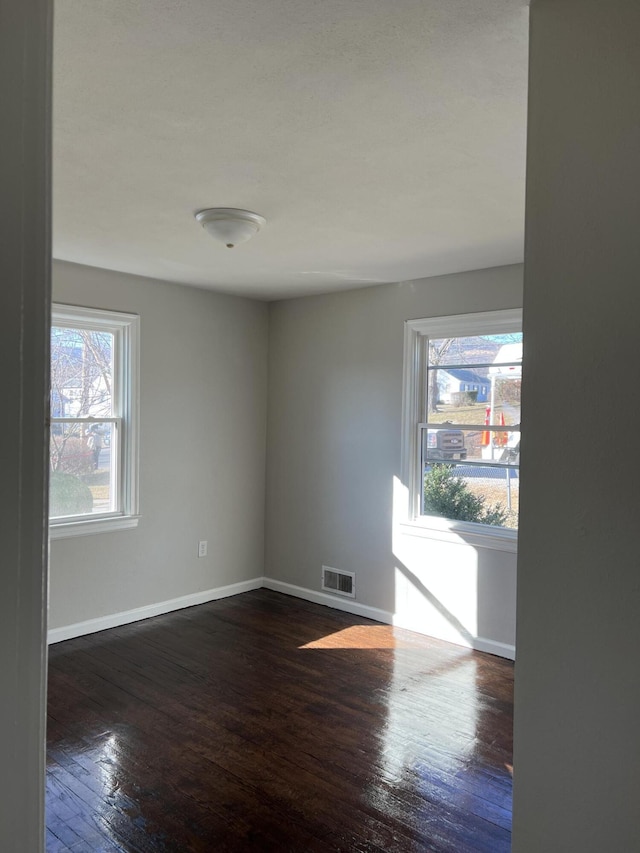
(25,56)
(202,450)
(577,736)
(334,432)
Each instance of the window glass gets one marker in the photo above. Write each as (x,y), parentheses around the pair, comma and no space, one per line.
(469,444)
(466,492)
(81,372)
(473,406)
(83,469)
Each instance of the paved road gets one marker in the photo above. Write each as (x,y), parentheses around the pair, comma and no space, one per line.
(476,472)
(485,473)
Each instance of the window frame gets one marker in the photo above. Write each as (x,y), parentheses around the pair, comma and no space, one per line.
(126,405)
(416,331)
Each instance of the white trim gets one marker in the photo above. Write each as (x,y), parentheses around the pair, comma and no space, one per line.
(479,644)
(126,404)
(459,325)
(76,316)
(130,383)
(87,527)
(475,428)
(493,647)
(87,420)
(412,374)
(462,533)
(102,623)
(327,600)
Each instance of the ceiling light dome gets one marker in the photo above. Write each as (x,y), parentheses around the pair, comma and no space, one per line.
(230,225)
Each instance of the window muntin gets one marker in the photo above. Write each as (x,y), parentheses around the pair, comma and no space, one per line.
(93,419)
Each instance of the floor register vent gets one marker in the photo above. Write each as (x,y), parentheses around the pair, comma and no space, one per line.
(341,583)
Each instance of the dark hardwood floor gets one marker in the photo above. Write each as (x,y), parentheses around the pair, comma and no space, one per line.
(264,723)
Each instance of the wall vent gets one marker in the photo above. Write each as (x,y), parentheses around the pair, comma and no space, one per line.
(338,582)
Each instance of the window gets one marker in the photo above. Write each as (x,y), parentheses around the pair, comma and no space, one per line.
(93,437)
(461,450)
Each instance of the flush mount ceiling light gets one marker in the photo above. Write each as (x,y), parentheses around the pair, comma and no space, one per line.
(230,225)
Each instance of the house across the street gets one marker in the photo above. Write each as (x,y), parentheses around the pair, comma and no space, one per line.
(459,380)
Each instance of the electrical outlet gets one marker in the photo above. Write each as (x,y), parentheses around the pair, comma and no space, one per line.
(202,548)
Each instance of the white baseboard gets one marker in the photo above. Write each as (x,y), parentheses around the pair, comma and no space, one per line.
(493,647)
(480,644)
(114,620)
(349,606)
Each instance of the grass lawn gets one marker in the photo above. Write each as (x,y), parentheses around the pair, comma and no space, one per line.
(473,414)
(495,492)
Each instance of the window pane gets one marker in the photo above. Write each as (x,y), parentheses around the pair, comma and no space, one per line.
(460,492)
(83,468)
(81,373)
(461,390)
(479,349)
(451,444)
(469,402)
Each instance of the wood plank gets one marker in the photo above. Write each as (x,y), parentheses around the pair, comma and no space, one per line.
(261,722)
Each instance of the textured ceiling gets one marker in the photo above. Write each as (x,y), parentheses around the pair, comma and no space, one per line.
(383,140)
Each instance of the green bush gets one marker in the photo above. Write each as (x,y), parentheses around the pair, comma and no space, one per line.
(68,495)
(448,496)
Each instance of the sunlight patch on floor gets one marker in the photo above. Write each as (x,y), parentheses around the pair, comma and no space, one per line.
(361,637)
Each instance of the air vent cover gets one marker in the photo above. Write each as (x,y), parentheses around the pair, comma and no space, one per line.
(340,583)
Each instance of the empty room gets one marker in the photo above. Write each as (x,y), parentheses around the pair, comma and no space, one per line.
(314,311)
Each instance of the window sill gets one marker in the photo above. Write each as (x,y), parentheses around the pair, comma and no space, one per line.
(461,533)
(70,529)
